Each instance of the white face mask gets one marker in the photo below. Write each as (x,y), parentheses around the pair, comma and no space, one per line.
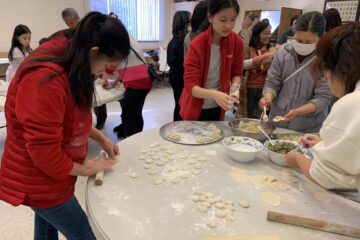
(303,49)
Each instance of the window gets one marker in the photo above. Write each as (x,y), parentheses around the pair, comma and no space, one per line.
(142,18)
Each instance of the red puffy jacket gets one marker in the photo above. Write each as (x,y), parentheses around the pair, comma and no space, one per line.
(46,133)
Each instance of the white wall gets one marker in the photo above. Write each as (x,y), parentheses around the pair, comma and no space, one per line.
(43,17)
(306,5)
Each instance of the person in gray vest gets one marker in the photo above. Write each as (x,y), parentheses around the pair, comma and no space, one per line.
(292,89)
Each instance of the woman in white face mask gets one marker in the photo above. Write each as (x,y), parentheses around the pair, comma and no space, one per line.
(290,90)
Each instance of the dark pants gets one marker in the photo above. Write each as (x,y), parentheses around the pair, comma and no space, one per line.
(131,115)
(253,97)
(211,114)
(177,85)
(68,218)
(101,115)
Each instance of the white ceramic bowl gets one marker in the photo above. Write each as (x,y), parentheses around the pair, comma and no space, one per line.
(242,149)
(278,158)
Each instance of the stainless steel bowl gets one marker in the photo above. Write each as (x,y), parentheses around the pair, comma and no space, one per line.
(237,124)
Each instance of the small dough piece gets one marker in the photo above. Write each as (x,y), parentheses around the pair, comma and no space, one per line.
(152,172)
(143,151)
(271,198)
(231,207)
(147,166)
(210,152)
(141,157)
(194,155)
(173,136)
(219,205)
(155,157)
(202,198)
(202,208)
(160,163)
(195,198)
(149,161)
(217,199)
(211,200)
(170,152)
(221,214)
(229,203)
(244,204)
(118,159)
(152,145)
(175,180)
(195,172)
(197,166)
(211,223)
(133,175)
(158,182)
(278,119)
(206,204)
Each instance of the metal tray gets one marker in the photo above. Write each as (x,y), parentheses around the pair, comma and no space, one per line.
(191,132)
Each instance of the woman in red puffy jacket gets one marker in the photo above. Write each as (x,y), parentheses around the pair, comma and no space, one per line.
(48,114)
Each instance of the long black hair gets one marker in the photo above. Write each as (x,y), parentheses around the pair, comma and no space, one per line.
(199,20)
(311,22)
(332,19)
(255,37)
(94,30)
(18,31)
(216,6)
(180,22)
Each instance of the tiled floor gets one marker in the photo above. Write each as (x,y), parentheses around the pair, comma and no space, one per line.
(17,222)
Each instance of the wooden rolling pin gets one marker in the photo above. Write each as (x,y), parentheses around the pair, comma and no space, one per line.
(99,178)
(314,224)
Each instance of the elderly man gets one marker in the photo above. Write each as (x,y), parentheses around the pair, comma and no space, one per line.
(70,17)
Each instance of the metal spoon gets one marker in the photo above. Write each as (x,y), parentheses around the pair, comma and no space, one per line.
(266,135)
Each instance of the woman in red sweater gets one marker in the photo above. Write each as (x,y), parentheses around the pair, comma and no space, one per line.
(48,114)
(213,62)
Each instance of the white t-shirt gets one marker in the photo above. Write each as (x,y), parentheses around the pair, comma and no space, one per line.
(337,156)
(18,57)
(213,78)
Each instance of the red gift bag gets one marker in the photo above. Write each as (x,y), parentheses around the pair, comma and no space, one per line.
(136,77)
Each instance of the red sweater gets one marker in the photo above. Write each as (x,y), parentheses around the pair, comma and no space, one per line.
(46,133)
(197,66)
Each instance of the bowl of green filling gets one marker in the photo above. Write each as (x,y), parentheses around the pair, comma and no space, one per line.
(277,151)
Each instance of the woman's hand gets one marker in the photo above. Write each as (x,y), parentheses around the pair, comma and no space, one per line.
(109,147)
(223,100)
(309,140)
(266,101)
(93,166)
(291,158)
(293,113)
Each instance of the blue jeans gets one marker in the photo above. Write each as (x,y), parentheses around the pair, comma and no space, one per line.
(68,218)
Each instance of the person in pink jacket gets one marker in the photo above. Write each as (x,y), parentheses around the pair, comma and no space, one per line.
(213,63)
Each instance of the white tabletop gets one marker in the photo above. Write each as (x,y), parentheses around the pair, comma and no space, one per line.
(4,60)
(102,95)
(3,89)
(108,95)
(137,209)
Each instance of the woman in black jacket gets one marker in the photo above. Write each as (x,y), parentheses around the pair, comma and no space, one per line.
(175,57)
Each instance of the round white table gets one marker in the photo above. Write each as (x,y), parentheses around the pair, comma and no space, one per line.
(136,208)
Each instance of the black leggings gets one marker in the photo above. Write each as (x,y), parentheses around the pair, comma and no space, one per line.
(131,115)
(253,97)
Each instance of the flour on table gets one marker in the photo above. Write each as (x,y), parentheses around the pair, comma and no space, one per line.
(271,198)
